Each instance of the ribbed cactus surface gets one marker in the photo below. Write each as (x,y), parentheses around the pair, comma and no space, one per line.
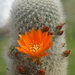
(28,14)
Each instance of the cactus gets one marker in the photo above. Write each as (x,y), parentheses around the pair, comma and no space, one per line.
(43,14)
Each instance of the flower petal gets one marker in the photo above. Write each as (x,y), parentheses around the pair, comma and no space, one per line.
(21,36)
(39,52)
(22,50)
(44,49)
(44,36)
(28,56)
(50,37)
(45,54)
(25,51)
(32,34)
(47,42)
(38,35)
(34,59)
(22,44)
(50,44)
(27,40)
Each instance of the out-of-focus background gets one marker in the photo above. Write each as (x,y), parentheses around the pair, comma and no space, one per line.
(69,9)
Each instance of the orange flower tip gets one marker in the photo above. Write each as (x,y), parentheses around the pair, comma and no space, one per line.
(16,47)
(63,44)
(60,32)
(66,53)
(32,29)
(50,33)
(19,35)
(45,28)
(21,70)
(41,72)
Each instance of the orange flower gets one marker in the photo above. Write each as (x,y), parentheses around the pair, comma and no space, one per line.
(35,43)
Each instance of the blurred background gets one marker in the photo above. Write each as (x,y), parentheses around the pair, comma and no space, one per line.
(69,9)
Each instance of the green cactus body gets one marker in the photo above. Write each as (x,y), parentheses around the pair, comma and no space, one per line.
(28,14)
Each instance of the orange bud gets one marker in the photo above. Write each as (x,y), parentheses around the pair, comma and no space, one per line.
(21,70)
(66,53)
(41,72)
(60,32)
(60,26)
(50,33)
(45,28)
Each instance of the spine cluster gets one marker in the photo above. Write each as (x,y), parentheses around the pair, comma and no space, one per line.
(48,16)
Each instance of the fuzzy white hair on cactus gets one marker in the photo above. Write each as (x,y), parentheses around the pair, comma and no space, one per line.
(48,17)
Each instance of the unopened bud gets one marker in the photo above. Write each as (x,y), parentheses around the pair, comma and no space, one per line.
(50,33)
(66,53)
(45,28)
(21,70)
(60,26)
(41,72)
(60,32)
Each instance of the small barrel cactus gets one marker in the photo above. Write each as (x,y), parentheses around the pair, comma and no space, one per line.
(43,18)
